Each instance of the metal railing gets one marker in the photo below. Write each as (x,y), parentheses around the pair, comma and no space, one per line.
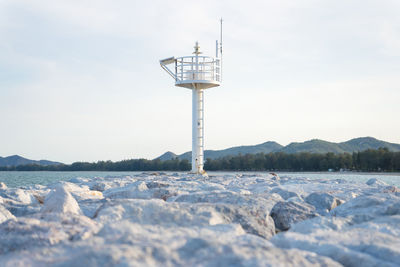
(207,69)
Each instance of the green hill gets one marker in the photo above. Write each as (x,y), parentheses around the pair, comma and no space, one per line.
(364,143)
(167,156)
(16,160)
(312,146)
(266,147)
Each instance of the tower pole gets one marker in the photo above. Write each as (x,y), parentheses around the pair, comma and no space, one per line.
(200,131)
(197,120)
(194,130)
(197,131)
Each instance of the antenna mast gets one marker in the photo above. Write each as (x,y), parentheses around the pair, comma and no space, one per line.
(220,48)
(220,42)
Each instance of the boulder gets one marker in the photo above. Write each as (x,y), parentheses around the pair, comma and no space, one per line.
(368,207)
(79,192)
(374,181)
(60,201)
(101,186)
(218,245)
(284,193)
(157,212)
(3,185)
(5,215)
(287,213)
(391,189)
(137,190)
(373,243)
(256,223)
(18,196)
(156,184)
(323,202)
(255,203)
(19,210)
(45,230)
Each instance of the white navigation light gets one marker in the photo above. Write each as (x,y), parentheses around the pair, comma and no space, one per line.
(196,73)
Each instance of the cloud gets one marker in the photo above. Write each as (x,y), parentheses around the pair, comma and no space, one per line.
(85,74)
(390,35)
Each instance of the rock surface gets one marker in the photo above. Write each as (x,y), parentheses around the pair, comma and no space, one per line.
(175,219)
(285,214)
(5,214)
(323,202)
(61,201)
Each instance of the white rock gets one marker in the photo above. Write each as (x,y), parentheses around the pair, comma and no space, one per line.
(135,190)
(130,244)
(3,185)
(323,202)
(369,207)
(284,193)
(391,189)
(17,195)
(60,201)
(253,202)
(374,181)
(44,230)
(5,215)
(285,214)
(368,244)
(155,212)
(79,180)
(79,192)
(101,186)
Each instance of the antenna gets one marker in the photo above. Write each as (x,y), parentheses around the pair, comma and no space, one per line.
(220,48)
(220,38)
(197,73)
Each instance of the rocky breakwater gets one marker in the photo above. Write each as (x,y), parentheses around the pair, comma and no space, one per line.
(175,219)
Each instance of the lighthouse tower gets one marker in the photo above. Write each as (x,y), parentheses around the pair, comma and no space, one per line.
(197,73)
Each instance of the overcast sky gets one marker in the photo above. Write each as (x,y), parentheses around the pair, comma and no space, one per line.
(81,81)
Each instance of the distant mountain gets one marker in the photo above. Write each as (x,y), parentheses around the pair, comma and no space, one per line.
(266,147)
(312,146)
(353,145)
(16,160)
(167,156)
(364,143)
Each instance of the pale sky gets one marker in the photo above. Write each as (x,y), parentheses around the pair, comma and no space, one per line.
(81,81)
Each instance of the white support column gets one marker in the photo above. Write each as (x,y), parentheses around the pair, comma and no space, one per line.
(194,130)
(197,131)
(200,130)
(197,117)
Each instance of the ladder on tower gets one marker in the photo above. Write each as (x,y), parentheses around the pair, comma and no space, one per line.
(201,126)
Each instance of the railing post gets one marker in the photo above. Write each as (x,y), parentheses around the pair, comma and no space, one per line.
(181,69)
(192,71)
(176,70)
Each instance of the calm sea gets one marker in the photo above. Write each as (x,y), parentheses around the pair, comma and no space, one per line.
(17,179)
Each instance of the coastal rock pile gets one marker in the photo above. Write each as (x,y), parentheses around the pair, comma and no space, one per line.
(169,219)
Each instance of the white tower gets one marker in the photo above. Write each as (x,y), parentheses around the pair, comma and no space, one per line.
(196,73)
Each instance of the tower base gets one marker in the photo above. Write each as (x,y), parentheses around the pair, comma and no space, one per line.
(203,173)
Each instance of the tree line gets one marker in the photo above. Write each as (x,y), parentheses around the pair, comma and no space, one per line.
(369,160)
(124,165)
